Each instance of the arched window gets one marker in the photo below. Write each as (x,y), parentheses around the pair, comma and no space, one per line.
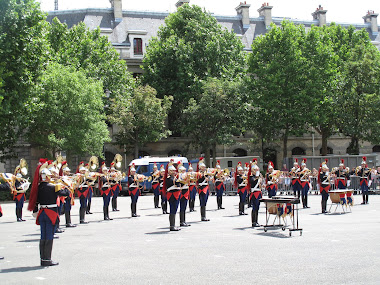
(143,153)
(270,154)
(329,150)
(175,152)
(240,152)
(137,46)
(298,151)
(376,148)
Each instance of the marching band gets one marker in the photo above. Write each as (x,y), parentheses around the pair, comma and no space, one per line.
(54,186)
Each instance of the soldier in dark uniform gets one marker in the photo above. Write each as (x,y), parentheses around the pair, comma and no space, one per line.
(45,194)
(133,187)
(240,183)
(254,184)
(304,180)
(3,187)
(60,201)
(82,193)
(203,188)
(69,201)
(155,176)
(21,186)
(90,185)
(183,183)
(164,201)
(271,184)
(296,183)
(105,191)
(192,188)
(324,184)
(342,175)
(363,172)
(173,193)
(219,184)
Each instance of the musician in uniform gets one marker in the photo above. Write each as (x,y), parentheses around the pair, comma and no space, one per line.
(363,172)
(219,184)
(304,179)
(156,185)
(203,188)
(164,201)
(342,176)
(324,184)
(105,191)
(134,190)
(270,179)
(90,192)
(116,188)
(192,188)
(296,183)
(69,201)
(55,176)
(254,184)
(241,182)
(183,184)
(19,193)
(173,193)
(82,192)
(45,194)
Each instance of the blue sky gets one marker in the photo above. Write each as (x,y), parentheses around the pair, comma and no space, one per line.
(338,10)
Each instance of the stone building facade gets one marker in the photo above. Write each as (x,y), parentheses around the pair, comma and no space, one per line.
(130,31)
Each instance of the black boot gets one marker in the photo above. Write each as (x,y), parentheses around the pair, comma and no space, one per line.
(306,201)
(324,206)
(105,213)
(363,195)
(116,205)
(82,212)
(172,223)
(221,202)
(18,215)
(133,208)
(88,208)
(242,209)
(42,250)
(254,216)
(165,207)
(218,202)
(182,219)
(68,220)
(203,214)
(113,204)
(22,220)
(48,247)
(366,198)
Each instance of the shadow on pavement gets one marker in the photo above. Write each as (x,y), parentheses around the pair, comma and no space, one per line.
(158,233)
(21,269)
(243,228)
(274,234)
(29,240)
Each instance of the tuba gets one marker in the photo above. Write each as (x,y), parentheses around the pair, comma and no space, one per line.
(22,167)
(117,160)
(58,161)
(93,164)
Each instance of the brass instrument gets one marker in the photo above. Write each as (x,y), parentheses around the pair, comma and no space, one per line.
(140,178)
(304,174)
(58,161)
(22,167)
(117,161)
(183,178)
(10,179)
(155,175)
(93,164)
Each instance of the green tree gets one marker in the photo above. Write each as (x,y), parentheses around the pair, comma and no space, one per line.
(68,113)
(23,51)
(141,119)
(215,117)
(94,54)
(190,48)
(277,72)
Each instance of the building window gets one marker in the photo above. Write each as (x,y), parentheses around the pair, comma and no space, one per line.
(376,148)
(137,46)
(298,151)
(329,150)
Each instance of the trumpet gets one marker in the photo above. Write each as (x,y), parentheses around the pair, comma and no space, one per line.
(140,178)
(154,176)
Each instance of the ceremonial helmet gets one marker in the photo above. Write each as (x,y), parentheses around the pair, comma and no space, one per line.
(295,162)
(180,166)
(104,166)
(254,164)
(155,167)
(270,165)
(190,168)
(171,166)
(364,160)
(217,164)
(201,162)
(162,168)
(239,166)
(341,162)
(324,164)
(303,163)
(132,167)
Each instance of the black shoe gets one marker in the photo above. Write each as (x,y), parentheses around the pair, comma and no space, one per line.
(48,263)
(70,226)
(19,220)
(184,224)
(174,229)
(83,222)
(135,215)
(362,203)
(89,213)
(59,231)
(1,258)
(204,219)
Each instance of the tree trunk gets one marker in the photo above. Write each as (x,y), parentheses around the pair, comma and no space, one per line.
(213,155)
(353,147)
(285,145)
(136,150)
(325,135)
(207,156)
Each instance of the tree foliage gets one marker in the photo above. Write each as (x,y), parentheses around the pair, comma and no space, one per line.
(23,51)
(141,118)
(215,117)
(190,48)
(68,113)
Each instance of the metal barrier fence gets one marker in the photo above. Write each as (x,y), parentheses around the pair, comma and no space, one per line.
(285,187)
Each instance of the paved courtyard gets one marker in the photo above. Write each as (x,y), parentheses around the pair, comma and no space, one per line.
(333,249)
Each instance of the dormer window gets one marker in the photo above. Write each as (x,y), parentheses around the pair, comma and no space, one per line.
(137,46)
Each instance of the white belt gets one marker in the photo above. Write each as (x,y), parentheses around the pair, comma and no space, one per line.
(49,206)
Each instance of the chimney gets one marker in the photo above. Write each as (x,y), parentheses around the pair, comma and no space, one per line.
(181,2)
(243,10)
(266,12)
(320,15)
(117,10)
(371,18)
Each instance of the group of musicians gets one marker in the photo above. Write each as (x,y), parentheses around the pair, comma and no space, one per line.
(54,186)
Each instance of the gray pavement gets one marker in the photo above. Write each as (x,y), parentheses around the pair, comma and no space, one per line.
(333,249)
